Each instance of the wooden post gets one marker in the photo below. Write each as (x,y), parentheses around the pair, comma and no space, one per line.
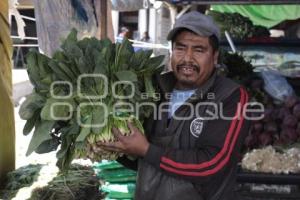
(103,19)
(7,123)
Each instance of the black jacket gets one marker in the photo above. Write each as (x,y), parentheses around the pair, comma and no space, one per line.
(208,145)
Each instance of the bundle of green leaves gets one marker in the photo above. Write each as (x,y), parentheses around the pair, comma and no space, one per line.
(85,89)
(238,26)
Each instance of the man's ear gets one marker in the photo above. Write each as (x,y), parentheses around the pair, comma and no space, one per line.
(216,57)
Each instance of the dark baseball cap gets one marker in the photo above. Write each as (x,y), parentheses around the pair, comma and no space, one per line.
(197,22)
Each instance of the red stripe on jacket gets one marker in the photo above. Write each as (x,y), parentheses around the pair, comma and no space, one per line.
(217,157)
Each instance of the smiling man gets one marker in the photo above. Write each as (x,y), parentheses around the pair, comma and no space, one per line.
(190,52)
(186,155)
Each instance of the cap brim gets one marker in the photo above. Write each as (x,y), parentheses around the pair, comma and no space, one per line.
(173,32)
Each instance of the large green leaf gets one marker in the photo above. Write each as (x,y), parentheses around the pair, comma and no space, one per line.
(32,103)
(139,59)
(89,58)
(71,38)
(98,118)
(47,80)
(59,56)
(100,65)
(82,65)
(105,43)
(59,72)
(66,153)
(43,67)
(46,111)
(31,122)
(40,134)
(126,76)
(59,108)
(38,69)
(97,43)
(100,68)
(82,44)
(72,35)
(68,136)
(109,53)
(67,69)
(149,87)
(124,52)
(48,146)
(32,67)
(153,63)
(85,131)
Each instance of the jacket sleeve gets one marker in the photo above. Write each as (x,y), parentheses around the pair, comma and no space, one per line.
(130,164)
(216,149)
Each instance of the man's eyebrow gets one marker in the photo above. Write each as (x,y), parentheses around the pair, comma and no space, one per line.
(194,47)
(179,44)
(199,47)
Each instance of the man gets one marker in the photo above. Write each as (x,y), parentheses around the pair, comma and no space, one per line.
(125,33)
(189,153)
(146,37)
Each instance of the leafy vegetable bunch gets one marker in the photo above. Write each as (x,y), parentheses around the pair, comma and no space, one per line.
(83,91)
(238,26)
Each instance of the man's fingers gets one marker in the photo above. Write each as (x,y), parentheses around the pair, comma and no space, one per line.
(117,133)
(131,127)
(107,148)
(112,146)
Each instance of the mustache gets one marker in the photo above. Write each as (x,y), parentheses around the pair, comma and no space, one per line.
(197,67)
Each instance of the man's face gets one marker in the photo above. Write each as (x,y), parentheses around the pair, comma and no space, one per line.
(192,60)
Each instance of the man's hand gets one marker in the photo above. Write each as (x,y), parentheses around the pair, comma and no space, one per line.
(134,144)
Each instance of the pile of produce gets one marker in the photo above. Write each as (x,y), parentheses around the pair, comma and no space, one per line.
(237,26)
(79,184)
(15,180)
(235,66)
(281,122)
(269,160)
(238,68)
(83,91)
(280,125)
